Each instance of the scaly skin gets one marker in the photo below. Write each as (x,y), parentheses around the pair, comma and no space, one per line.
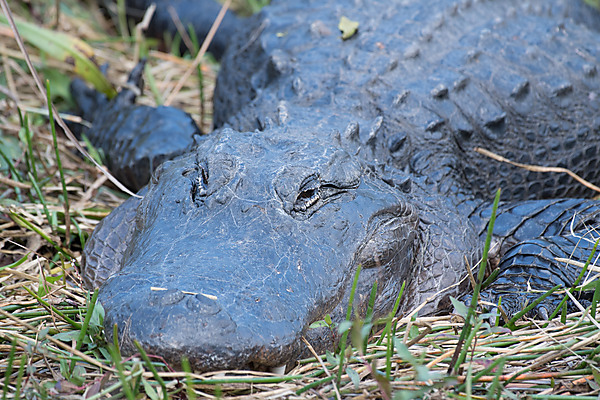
(334,154)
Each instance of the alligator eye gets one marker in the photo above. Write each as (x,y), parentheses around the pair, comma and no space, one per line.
(306,199)
(199,180)
(203,179)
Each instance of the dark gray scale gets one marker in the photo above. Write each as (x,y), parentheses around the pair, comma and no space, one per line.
(528,238)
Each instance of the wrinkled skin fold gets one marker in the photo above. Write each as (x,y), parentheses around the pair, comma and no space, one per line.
(331,153)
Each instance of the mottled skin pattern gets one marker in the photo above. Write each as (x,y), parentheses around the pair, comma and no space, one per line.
(333,154)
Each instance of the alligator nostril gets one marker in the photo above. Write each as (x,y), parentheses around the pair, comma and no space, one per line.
(165,297)
(186,172)
(202,304)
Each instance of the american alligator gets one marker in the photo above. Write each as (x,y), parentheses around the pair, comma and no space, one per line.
(332,153)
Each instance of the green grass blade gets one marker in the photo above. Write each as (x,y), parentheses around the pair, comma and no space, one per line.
(511,323)
(122,18)
(84,327)
(50,307)
(95,153)
(29,142)
(116,357)
(595,299)
(67,49)
(152,368)
(16,263)
(151,83)
(38,191)
(348,317)
(116,339)
(315,384)
(9,364)
(388,324)
(458,356)
(389,352)
(14,172)
(189,389)
(26,224)
(20,376)
(67,218)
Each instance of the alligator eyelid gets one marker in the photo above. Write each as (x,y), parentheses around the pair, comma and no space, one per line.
(186,172)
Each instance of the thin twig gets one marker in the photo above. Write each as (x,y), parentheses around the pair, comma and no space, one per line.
(58,343)
(537,168)
(320,360)
(203,48)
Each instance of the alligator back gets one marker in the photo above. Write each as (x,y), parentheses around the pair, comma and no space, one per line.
(432,80)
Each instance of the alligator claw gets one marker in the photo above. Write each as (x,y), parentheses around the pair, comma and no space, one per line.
(513,302)
(542,313)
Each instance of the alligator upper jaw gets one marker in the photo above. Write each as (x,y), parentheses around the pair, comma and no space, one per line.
(237,332)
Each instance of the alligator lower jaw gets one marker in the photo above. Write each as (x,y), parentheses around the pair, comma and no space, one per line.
(226,357)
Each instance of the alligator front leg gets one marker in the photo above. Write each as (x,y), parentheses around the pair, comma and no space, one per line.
(538,236)
(197,15)
(135,138)
(532,268)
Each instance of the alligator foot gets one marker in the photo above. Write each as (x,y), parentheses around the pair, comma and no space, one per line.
(135,138)
(534,267)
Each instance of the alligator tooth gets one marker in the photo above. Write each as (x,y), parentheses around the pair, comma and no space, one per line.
(280,370)
(282,113)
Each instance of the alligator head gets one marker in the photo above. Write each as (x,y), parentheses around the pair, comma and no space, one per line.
(242,243)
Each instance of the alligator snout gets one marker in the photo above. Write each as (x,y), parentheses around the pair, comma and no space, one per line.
(203,328)
(244,323)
